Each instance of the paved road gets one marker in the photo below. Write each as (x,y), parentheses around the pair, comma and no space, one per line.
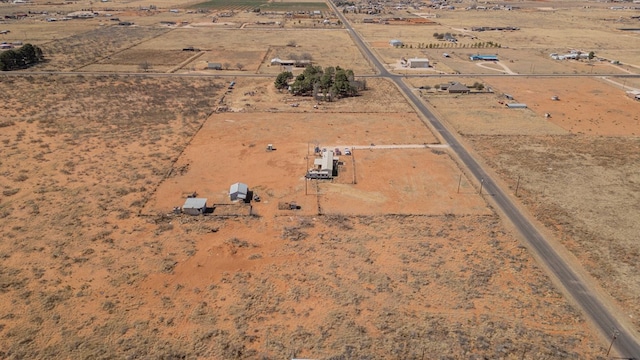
(626,344)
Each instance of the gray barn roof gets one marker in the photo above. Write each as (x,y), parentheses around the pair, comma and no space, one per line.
(195,203)
(238,191)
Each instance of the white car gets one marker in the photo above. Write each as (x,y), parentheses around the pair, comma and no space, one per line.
(347,151)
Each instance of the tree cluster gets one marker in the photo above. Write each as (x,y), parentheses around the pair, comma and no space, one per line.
(331,82)
(25,56)
(447,44)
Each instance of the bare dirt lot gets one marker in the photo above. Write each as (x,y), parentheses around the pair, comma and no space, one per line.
(280,178)
(82,275)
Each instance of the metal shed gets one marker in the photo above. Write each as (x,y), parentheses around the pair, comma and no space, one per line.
(517,106)
(238,191)
(194,206)
(418,63)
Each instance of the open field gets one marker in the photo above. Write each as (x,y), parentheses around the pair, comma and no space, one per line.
(81,274)
(251,46)
(86,48)
(595,107)
(577,169)
(585,189)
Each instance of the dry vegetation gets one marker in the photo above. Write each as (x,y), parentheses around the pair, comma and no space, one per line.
(81,274)
(586,190)
(83,49)
(578,169)
(80,157)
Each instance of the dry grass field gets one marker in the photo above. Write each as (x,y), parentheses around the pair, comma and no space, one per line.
(578,169)
(83,276)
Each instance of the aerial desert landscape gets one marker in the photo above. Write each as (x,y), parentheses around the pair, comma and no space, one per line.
(398,251)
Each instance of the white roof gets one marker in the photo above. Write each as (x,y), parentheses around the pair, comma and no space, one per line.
(195,203)
(239,188)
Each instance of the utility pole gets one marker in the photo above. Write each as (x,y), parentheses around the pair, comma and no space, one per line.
(613,339)
(517,185)
(481,184)
(459,181)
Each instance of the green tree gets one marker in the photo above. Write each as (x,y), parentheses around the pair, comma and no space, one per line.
(303,85)
(282,81)
(342,86)
(27,55)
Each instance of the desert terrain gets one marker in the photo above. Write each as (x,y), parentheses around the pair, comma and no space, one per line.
(401,255)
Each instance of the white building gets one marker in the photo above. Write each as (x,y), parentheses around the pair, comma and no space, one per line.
(194,206)
(238,191)
(418,63)
(323,167)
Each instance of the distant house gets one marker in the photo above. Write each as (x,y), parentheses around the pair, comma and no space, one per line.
(484,57)
(296,63)
(418,63)
(324,168)
(572,55)
(194,206)
(517,106)
(81,15)
(458,88)
(214,66)
(238,191)
(395,43)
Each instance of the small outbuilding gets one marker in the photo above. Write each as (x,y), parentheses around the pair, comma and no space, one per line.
(194,206)
(517,106)
(238,191)
(214,66)
(418,63)
(484,57)
(395,43)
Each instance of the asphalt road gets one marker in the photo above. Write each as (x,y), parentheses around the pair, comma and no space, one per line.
(625,343)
